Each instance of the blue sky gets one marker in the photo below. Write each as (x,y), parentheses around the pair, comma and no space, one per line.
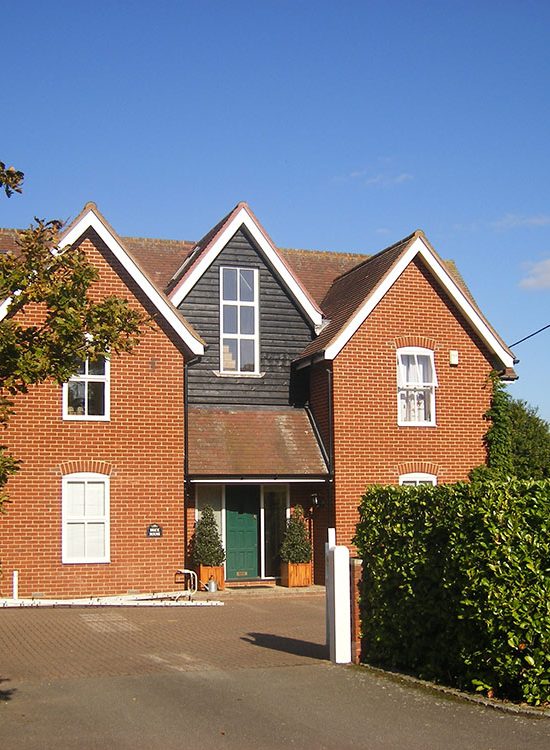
(345,125)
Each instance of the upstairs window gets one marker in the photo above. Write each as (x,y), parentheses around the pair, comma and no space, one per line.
(85,508)
(413,480)
(416,384)
(239,350)
(86,395)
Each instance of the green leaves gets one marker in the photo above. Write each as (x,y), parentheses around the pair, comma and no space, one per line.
(296,547)
(206,543)
(456,584)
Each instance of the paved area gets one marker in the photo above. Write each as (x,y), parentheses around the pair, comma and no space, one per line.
(251,674)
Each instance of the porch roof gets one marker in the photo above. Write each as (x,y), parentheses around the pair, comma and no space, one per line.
(242,442)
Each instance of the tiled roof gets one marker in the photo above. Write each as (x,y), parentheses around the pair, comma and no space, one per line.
(158,258)
(317,269)
(350,290)
(238,442)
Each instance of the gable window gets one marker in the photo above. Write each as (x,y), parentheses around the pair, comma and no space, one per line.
(413,480)
(416,384)
(86,394)
(85,517)
(239,350)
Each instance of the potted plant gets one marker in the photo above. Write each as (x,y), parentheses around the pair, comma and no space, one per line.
(296,551)
(207,552)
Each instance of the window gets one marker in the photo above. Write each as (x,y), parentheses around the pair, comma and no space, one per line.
(85,511)
(86,395)
(416,383)
(239,320)
(413,480)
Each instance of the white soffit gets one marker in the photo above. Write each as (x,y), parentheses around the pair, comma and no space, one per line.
(242,217)
(90,219)
(419,247)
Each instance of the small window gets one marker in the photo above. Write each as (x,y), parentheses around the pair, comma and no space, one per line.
(416,383)
(239,320)
(413,480)
(85,511)
(86,394)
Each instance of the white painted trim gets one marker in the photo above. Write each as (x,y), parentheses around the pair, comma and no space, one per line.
(91,220)
(258,480)
(238,337)
(86,477)
(419,247)
(4,307)
(106,379)
(243,218)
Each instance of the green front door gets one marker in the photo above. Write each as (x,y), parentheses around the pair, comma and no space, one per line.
(242,530)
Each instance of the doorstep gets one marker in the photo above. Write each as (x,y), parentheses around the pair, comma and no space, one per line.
(262,583)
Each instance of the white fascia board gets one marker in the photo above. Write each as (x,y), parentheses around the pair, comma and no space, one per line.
(4,307)
(90,219)
(368,306)
(242,217)
(419,247)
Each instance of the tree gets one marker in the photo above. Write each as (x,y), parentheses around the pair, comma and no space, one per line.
(517,441)
(52,321)
(530,441)
(296,547)
(206,545)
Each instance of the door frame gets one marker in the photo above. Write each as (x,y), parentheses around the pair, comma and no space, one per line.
(261,520)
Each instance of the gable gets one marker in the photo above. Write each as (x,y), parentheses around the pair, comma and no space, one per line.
(354,296)
(283,332)
(208,249)
(92,219)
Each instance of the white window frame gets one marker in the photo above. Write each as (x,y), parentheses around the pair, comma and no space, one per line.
(86,378)
(427,387)
(238,337)
(417,477)
(66,519)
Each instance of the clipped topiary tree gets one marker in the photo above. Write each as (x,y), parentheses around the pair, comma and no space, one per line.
(296,551)
(206,547)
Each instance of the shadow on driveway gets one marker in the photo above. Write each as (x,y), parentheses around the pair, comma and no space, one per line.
(288,645)
(5,695)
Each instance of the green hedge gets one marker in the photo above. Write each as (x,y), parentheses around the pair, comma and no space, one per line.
(456,584)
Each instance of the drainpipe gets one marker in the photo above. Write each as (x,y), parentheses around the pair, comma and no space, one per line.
(186,482)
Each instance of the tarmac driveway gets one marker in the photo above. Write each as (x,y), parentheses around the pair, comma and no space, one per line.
(250,674)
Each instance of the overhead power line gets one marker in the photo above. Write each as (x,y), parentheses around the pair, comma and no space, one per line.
(530,336)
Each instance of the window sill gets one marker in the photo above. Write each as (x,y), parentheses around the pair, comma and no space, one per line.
(416,424)
(256,375)
(103,561)
(83,418)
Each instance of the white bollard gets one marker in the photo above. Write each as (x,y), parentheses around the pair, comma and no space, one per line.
(338,603)
(15,584)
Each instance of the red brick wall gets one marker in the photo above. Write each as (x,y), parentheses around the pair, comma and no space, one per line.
(369,445)
(141,447)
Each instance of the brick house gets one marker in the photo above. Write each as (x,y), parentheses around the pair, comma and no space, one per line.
(267,378)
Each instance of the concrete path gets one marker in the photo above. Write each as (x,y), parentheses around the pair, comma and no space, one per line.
(251,674)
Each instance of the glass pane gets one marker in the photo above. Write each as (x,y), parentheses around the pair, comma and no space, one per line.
(247,356)
(95,499)
(96,399)
(75,397)
(425,367)
(411,370)
(230,319)
(95,540)
(75,540)
(247,320)
(409,483)
(229,284)
(74,505)
(229,354)
(211,495)
(275,522)
(246,286)
(97,366)
(80,368)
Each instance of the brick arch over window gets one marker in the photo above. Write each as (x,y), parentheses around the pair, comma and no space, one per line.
(85,466)
(419,467)
(424,342)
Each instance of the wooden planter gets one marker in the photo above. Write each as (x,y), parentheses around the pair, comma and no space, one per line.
(205,572)
(295,574)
